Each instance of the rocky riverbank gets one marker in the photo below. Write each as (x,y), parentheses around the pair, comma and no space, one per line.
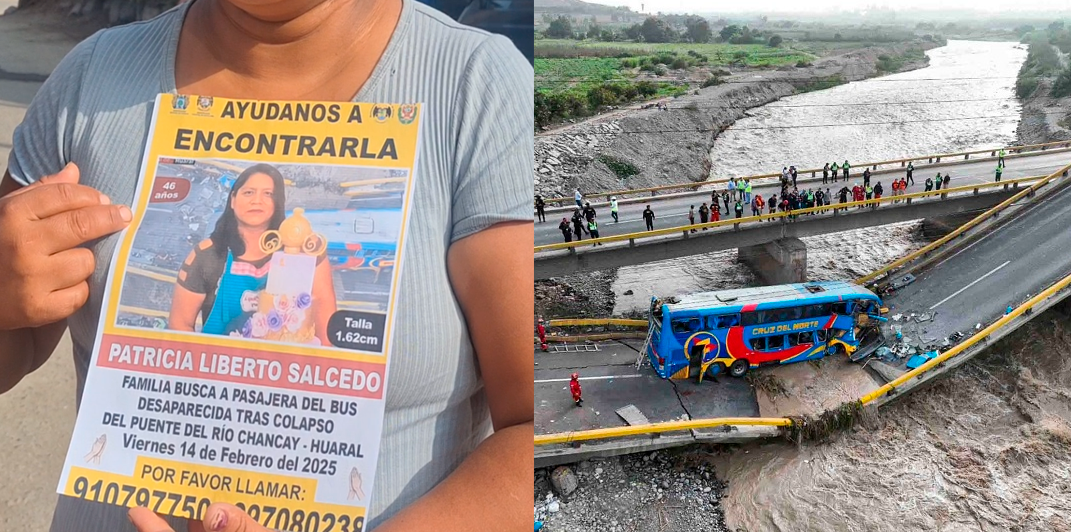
(672,146)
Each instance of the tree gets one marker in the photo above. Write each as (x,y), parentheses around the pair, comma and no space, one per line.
(633,32)
(728,32)
(593,31)
(1056,27)
(607,36)
(698,29)
(836,37)
(656,30)
(775,41)
(560,28)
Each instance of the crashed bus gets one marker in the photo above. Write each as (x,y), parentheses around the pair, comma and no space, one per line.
(732,331)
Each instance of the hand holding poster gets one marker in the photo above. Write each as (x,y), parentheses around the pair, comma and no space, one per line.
(242,353)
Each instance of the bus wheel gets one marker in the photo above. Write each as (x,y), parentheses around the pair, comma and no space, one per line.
(739,367)
(715,369)
(836,349)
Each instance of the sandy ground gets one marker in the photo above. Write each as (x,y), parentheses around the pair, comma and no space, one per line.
(37,416)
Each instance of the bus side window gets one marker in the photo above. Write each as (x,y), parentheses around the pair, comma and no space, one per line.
(821,335)
(840,309)
(758,344)
(732,320)
(775,343)
(791,340)
(806,337)
(679,326)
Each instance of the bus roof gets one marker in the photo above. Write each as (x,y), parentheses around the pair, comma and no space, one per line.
(813,292)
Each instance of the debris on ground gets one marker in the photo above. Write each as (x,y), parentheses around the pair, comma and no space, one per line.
(669,491)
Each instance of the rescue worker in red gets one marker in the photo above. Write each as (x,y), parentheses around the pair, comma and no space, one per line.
(542,330)
(574,387)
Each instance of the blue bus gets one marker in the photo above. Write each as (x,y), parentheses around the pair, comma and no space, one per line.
(732,331)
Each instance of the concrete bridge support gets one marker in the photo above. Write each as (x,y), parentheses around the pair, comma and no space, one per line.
(781,261)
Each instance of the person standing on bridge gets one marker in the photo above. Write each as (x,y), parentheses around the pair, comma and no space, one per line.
(895,189)
(785,174)
(541,330)
(704,214)
(574,388)
(825,173)
(757,205)
(1000,170)
(579,198)
(845,167)
(715,212)
(948,177)
(648,218)
(794,173)
(578,225)
(741,187)
(589,212)
(877,192)
(691,216)
(739,207)
(541,206)
(929,184)
(910,170)
(835,168)
(938,181)
(747,191)
(725,198)
(566,229)
(866,177)
(1000,157)
(843,193)
(772,204)
(613,208)
(731,187)
(786,205)
(593,230)
(714,200)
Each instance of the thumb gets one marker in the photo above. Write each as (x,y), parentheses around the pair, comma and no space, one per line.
(222,517)
(67,174)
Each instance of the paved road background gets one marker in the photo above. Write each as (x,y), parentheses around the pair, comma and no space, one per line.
(673,211)
(37,416)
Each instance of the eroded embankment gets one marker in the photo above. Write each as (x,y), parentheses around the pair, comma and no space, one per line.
(673,146)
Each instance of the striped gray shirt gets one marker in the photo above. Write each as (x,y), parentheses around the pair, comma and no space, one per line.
(475,171)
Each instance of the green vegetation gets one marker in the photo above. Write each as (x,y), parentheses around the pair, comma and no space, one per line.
(821,428)
(752,55)
(821,83)
(887,63)
(1062,86)
(1043,61)
(623,169)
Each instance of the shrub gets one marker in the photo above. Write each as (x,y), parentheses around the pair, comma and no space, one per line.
(629,63)
(679,63)
(711,81)
(802,64)
(1025,86)
(647,88)
(623,169)
(776,41)
(1062,86)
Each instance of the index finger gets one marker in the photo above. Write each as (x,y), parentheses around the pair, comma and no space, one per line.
(145,520)
(70,228)
(51,199)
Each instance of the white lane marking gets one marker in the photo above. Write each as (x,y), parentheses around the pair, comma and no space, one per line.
(592,378)
(976,281)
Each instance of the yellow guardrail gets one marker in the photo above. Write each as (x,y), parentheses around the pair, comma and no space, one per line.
(151,275)
(696,184)
(595,322)
(762,217)
(963,228)
(966,344)
(595,337)
(656,428)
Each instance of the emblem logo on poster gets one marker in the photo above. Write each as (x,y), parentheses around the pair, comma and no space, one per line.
(406,114)
(180,103)
(382,113)
(204,103)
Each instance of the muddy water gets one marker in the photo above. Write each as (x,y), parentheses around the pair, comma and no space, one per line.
(988,448)
(898,113)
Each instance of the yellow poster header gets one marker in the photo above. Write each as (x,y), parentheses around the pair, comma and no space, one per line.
(369,134)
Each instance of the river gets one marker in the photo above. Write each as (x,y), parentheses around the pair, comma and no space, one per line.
(751,146)
(989,447)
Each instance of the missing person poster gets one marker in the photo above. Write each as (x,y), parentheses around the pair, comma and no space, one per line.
(243,343)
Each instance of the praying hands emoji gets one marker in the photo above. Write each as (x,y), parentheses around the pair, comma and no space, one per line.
(97,450)
(355,485)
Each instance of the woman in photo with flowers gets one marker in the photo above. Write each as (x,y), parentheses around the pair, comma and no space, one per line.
(223,278)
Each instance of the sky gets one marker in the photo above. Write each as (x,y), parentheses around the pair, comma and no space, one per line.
(797,6)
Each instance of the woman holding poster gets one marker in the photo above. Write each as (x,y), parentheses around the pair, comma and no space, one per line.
(454,443)
(224,280)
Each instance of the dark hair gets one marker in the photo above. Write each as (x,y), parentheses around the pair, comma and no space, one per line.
(225,237)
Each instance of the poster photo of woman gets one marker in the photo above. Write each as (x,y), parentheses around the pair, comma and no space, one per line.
(253,264)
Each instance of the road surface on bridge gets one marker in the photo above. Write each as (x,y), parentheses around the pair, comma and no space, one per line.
(1005,267)
(672,211)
